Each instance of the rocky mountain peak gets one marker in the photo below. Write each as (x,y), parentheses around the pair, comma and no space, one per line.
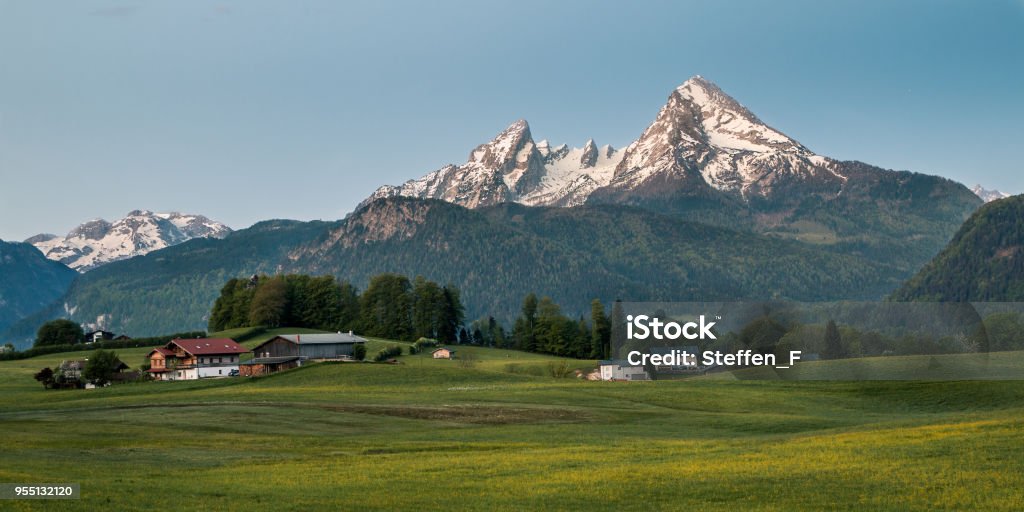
(590,154)
(92,230)
(724,122)
(500,153)
(702,140)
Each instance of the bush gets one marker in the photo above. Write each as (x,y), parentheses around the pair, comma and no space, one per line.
(45,377)
(359,351)
(388,353)
(423,343)
(560,370)
(101,367)
(59,332)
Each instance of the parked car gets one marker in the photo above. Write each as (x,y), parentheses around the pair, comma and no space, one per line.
(233,373)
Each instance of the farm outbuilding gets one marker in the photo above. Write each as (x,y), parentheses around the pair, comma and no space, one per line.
(267,365)
(622,370)
(309,346)
(444,353)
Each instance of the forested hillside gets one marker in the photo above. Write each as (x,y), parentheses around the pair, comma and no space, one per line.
(983,262)
(28,281)
(495,256)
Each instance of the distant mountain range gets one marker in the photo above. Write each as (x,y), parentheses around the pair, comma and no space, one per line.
(495,255)
(709,203)
(983,262)
(28,282)
(988,195)
(99,242)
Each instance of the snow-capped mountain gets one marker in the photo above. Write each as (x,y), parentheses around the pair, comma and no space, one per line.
(702,138)
(98,242)
(514,168)
(988,195)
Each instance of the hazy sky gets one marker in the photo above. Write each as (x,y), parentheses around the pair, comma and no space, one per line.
(245,111)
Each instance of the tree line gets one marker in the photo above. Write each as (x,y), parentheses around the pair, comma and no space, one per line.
(542,327)
(395,307)
(392,306)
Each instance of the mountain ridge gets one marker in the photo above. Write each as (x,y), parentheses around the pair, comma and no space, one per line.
(494,255)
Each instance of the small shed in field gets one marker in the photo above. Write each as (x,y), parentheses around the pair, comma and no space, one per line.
(622,370)
(444,353)
(267,365)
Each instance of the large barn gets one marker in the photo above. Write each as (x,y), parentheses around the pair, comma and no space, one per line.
(290,350)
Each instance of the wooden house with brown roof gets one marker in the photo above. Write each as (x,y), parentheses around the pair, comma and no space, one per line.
(190,359)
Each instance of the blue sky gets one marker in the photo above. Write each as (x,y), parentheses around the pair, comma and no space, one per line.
(245,111)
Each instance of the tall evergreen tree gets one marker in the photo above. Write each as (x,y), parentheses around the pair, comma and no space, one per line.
(523,331)
(429,308)
(833,342)
(582,340)
(601,330)
(549,329)
(617,339)
(453,317)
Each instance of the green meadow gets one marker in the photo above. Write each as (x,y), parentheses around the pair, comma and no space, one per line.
(495,431)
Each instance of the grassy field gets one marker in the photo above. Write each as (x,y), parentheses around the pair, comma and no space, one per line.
(497,432)
(984,366)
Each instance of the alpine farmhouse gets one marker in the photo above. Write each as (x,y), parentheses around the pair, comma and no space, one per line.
(191,359)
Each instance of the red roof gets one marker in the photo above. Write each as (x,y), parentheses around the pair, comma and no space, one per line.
(208,346)
(162,350)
